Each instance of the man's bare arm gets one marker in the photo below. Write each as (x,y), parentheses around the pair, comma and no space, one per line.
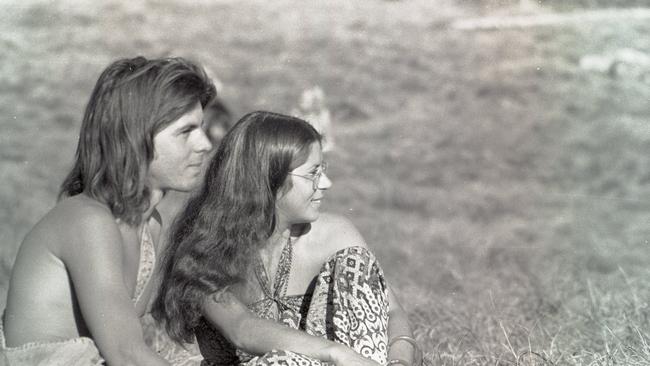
(94,261)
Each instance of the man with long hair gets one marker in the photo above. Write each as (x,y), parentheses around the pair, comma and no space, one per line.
(81,277)
(218,120)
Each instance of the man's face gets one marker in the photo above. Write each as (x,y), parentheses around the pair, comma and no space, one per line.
(179,152)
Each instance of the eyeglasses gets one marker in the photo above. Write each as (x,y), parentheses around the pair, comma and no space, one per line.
(314,177)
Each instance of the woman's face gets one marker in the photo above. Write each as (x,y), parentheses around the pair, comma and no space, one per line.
(301,203)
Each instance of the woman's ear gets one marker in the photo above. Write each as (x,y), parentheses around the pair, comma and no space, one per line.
(284,188)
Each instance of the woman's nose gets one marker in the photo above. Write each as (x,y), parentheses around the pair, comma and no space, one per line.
(324,182)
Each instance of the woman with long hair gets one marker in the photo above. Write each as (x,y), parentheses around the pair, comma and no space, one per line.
(252,266)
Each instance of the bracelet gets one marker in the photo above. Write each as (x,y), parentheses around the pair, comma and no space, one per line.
(417,351)
(396,361)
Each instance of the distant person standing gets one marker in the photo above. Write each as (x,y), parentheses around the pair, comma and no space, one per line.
(312,108)
(81,276)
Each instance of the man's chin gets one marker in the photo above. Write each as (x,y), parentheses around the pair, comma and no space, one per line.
(185,188)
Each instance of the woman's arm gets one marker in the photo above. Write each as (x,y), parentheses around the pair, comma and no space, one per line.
(340,233)
(257,336)
(398,325)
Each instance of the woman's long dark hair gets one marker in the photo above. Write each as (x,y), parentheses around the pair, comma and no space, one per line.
(133,99)
(214,238)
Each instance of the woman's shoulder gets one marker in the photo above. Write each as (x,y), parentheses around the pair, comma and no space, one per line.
(335,232)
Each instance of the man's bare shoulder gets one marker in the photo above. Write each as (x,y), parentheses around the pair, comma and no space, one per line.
(80,213)
(72,220)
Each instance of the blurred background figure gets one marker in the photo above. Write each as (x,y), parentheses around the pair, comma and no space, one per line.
(313,109)
(218,120)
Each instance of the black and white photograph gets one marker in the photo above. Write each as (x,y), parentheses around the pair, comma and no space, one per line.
(325,183)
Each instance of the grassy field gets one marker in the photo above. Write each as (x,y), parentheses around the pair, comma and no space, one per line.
(503,187)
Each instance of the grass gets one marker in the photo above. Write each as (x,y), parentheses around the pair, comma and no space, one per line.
(502,187)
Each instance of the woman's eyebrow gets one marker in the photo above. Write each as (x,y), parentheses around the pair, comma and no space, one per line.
(312,167)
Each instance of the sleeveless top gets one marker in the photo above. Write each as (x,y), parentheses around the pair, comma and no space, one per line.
(275,304)
(146,263)
(346,302)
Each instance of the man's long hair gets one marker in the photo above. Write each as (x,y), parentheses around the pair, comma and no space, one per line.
(219,231)
(132,101)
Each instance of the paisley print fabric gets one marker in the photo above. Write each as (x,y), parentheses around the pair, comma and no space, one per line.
(355,304)
(348,303)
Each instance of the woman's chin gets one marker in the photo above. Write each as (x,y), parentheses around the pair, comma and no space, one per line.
(308,219)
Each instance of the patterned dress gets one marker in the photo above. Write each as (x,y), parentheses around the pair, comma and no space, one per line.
(347,303)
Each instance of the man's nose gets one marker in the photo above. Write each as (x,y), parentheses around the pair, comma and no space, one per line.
(203,143)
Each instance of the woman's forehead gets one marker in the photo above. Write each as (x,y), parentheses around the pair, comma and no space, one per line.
(313,157)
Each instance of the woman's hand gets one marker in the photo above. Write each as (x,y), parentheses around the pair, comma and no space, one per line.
(257,336)
(345,356)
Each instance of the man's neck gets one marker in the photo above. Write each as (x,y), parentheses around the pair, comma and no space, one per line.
(155,198)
